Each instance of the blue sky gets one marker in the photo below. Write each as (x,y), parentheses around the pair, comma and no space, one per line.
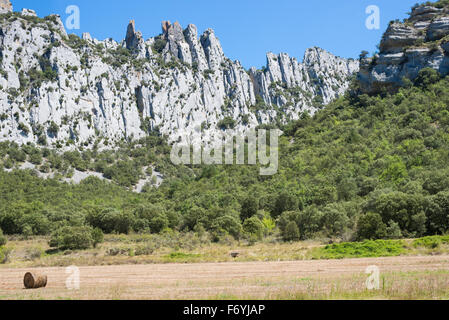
(247,29)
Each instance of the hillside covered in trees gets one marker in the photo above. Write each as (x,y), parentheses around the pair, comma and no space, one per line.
(363,167)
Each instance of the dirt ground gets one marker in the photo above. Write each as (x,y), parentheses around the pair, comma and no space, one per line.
(264,280)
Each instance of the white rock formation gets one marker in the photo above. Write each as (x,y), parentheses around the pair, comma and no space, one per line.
(64,91)
(422,41)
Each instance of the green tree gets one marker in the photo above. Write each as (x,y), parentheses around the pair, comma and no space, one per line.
(227,224)
(291,232)
(2,238)
(72,238)
(285,201)
(334,220)
(371,227)
(97,237)
(250,206)
(254,228)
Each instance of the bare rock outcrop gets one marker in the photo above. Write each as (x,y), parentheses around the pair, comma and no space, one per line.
(421,41)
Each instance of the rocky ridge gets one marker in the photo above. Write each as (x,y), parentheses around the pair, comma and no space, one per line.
(421,41)
(64,91)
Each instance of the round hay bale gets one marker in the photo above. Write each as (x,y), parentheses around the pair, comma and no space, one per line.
(34,280)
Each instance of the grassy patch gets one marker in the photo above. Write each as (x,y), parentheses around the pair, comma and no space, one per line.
(366,249)
(431,242)
(182,257)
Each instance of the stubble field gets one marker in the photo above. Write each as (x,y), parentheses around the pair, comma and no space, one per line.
(411,277)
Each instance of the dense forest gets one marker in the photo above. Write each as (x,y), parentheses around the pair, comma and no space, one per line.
(363,167)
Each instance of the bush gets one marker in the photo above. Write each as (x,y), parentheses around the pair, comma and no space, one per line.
(2,239)
(378,248)
(159,45)
(34,253)
(153,217)
(254,228)
(287,217)
(158,223)
(431,242)
(438,213)
(427,77)
(72,238)
(37,222)
(4,254)
(393,230)
(334,220)
(291,232)
(97,237)
(111,220)
(250,205)
(404,209)
(285,202)
(227,225)
(370,226)
(226,123)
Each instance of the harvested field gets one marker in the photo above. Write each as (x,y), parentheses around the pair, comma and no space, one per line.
(423,277)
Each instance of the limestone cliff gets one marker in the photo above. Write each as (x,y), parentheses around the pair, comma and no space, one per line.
(65,91)
(418,42)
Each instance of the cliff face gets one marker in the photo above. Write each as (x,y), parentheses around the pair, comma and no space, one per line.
(419,42)
(61,90)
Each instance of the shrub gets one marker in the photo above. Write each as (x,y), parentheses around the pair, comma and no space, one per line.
(438,213)
(33,253)
(2,239)
(250,205)
(97,237)
(72,238)
(226,123)
(9,223)
(158,222)
(370,226)
(111,220)
(159,45)
(431,242)
(227,225)
(334,220)
(427,77)
(38,223)
(291,232)
(393,230)
(153,217)
(285,201)
(4,254)
(254,228)
(378,248)
(289,216)
(144,250)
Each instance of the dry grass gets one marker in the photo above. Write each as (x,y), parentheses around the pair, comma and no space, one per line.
(401,278)
(133,249)
(146,249)
(144,267)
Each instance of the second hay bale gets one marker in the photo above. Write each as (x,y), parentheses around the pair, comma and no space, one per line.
(34,280)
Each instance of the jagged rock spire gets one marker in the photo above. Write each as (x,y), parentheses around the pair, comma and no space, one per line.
(134,40)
